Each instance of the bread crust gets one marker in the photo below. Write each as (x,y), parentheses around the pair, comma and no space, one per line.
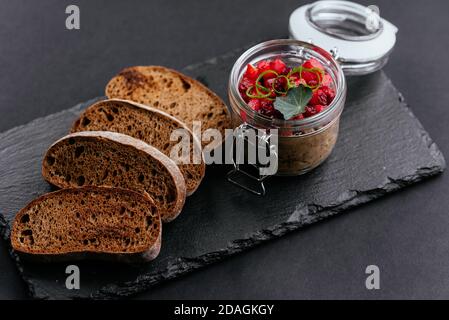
(148,254)
(76,127)
(134,78)
(140,146)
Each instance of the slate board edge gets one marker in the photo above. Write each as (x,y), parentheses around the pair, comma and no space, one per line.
(185,265)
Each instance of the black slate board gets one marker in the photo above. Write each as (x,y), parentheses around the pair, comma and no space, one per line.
(381,148)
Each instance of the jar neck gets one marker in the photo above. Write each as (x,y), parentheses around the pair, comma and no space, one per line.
(262,51)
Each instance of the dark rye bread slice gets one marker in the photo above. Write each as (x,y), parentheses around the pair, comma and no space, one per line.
(174,93)
(102,158)
(147,124)
(89,222)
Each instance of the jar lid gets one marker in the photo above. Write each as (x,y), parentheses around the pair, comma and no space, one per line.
(358,38)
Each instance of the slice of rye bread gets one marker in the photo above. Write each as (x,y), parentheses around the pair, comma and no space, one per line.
(147,124)
(174,93)
(89,222)
(102,158)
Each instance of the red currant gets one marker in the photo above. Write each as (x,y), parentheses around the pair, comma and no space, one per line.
(330,94)
(254,104)
(312,110)
(319,97)
(312,79)
(313,63)
(298,117)
(263,65)
(279,66)
(251,72)
(327,80)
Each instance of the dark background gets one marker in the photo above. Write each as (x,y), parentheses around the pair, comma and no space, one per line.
(45,68)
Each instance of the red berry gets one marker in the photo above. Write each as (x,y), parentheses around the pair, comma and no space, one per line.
(309,111)
(327,80)
(279,66)
(319,108)
(263,65)
(298,117)
(244,84)
(268,83)
(251,72)
(266,106)
(312,63)
(296,80)
(266,103)
(319,97)
(312,79)
(269,75)
(312,110)
(254,104)
(330,94)
(267,109)
(281,84)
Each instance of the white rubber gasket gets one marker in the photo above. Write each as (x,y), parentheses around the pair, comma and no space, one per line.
(346,51)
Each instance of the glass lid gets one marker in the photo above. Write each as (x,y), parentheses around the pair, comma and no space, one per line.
(355,35)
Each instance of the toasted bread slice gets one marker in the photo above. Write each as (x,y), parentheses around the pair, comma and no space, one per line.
(102,158)
(147,124)
(93,222)
(174,93)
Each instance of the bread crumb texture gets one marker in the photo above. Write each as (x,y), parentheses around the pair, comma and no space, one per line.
(141,122)
(84,160)
(87,219)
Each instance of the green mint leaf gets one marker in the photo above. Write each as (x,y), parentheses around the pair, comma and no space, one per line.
(294,102)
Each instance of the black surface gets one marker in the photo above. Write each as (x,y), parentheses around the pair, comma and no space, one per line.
(46,68)
(371,159)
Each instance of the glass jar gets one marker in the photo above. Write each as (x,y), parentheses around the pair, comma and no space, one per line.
(302,144)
